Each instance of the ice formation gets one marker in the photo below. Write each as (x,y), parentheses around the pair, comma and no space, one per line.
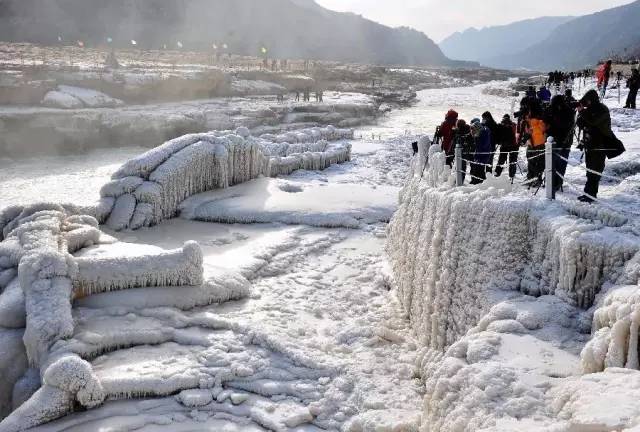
(50,255)
(150,187)
(496,286)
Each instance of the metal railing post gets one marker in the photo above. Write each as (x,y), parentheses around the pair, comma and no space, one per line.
(549,169)
(458,165)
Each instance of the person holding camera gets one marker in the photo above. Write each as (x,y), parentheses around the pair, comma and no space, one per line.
(560,119)
(482,138)
(599,142)
(536,131)
(508,147)
(462,136)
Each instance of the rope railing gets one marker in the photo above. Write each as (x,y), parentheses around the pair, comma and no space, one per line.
(550,153)
(595,199)
(607,176)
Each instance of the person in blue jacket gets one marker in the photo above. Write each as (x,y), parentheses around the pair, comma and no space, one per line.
(482,156)
(544,95)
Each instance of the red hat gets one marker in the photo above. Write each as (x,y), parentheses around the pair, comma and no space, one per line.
(451,114)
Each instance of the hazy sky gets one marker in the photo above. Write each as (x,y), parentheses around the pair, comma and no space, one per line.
(439,18)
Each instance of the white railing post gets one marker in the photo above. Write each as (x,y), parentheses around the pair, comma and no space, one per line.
(458,165)
(549,169)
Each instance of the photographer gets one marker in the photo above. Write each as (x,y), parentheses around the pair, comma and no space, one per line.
(462,136)
(560,119)
(536,131)
(508,147)
(599,141)
(482,139)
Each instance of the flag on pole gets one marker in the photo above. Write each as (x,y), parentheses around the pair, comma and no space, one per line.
(179,44)
(59,38)
(225,46)
(263,50)
(215,47)
(81,44)
(133,42)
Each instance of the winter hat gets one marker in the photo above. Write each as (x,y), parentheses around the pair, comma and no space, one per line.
(451,115)
(475,121)
(591,96)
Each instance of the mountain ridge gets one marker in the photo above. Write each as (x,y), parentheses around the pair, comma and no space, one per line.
(488,44)
(287,28)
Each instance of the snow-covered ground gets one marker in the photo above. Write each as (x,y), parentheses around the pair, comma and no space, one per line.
(322,341)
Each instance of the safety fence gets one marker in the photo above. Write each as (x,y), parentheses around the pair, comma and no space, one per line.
(551,154)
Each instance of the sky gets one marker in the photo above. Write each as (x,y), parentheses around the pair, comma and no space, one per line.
(440,18)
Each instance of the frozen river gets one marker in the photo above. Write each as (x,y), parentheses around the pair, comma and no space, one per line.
(322,323)
(320,297)
(78,178)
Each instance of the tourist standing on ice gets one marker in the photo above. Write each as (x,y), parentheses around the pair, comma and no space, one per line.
(444,135)
(536,130)
(482,138)
(599,142)
(544,95)
(462,137)
(603,75)
(560,120)
(568,97)
(633,83)
(508,147)
(488,121)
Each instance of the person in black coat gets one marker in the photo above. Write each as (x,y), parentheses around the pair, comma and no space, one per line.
(462,137)
(599,141)
(490,123)
(508,147)
(634,84)
(560,119)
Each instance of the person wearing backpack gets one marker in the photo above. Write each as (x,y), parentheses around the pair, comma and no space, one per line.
(599,141)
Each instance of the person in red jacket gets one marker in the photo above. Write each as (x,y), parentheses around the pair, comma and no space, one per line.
(603,75)
(444,135)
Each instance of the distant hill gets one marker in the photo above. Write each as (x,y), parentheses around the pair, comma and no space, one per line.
(489,44)
(583,41)
(287,28)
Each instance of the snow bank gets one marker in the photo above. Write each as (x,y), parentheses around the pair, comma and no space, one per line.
(496,286)
(315,204)
(150,187)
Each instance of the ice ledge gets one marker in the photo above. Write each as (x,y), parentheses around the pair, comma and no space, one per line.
(498,287)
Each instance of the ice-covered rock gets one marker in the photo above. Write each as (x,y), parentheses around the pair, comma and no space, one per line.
(50,255)
(89,98)
(150,187)
(58,99)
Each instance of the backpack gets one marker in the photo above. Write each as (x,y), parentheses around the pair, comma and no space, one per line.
(614,146)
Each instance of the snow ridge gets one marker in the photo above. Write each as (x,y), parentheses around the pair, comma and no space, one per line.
(150,187)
